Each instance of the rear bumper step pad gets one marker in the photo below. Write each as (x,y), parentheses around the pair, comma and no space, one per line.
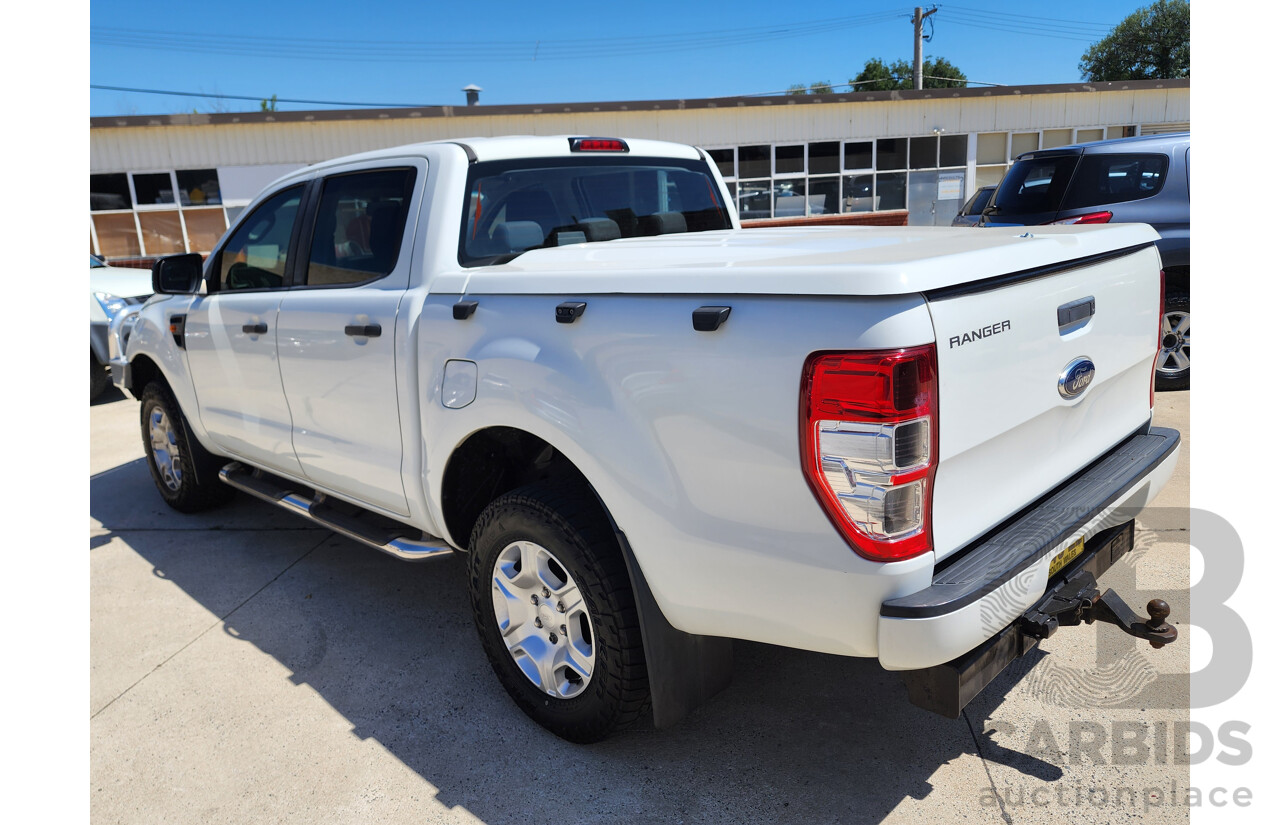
(1029,537)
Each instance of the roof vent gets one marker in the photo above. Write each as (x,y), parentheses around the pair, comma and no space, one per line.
(473,94)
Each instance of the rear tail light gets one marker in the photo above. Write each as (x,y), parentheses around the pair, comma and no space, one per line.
(1159,340)
(870,446)
(1092,217)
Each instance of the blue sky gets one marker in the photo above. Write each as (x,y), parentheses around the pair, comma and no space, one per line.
(425,52)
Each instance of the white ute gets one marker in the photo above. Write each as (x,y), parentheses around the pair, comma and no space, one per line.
(652,431)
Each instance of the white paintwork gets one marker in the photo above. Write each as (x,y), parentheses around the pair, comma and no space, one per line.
(853,260)
(236,376)
(690,439)
(1004,428)
(122,281)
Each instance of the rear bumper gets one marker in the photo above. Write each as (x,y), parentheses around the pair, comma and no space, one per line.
(985,588)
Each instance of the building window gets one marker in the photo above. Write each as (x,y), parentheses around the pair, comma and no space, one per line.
(788,160)
(198,187)
(152,189)
(725,160)
(156,213)
(753,162)
(824,158)
(1024,142)
(117,235)
(953,150)
(924,152)
(108,192)
(891,153)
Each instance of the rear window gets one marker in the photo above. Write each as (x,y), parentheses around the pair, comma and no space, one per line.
(1035,185)
(1103,179)
(978,202)
(514,206)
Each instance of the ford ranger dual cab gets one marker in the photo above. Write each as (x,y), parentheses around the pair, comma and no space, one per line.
(652,432)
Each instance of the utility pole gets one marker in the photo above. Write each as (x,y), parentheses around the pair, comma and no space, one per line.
(918,74)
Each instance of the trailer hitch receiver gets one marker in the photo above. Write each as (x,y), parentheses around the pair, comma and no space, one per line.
(1077,601)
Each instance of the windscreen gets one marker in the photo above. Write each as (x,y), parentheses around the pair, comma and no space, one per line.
(515,206)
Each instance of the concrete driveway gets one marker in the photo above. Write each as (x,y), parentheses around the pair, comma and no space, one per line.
(246,667)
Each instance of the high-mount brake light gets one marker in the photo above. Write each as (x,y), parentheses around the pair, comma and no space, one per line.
(598,145)
(1092,217)
(870,446)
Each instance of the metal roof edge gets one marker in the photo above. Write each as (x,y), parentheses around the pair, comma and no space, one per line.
(407,113)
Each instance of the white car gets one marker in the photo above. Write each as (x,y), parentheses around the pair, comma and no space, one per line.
(111,289)
(651,431)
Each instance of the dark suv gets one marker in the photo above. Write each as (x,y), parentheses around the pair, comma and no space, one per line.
(1129,180)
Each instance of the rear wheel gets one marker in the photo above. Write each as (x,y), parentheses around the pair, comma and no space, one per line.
(552,601)
(1173,364)
(185,473)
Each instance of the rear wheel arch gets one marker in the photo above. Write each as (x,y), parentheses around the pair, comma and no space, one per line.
(492,462)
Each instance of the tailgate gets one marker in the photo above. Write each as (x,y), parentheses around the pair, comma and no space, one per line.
(1007,433)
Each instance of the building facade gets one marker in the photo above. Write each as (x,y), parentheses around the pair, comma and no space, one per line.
(165,184)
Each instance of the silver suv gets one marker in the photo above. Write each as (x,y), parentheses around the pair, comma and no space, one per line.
(1128,180)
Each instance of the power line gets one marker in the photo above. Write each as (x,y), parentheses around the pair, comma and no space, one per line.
(350,50)
(259,98)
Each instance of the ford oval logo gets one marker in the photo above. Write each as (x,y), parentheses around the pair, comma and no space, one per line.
(1076,378)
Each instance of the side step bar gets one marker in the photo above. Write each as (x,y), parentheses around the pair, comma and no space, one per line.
(388,539)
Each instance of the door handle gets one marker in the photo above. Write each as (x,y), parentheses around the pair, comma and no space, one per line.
(363,331)
(255,329)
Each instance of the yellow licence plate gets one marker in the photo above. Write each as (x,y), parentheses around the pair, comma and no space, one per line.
(1064,558)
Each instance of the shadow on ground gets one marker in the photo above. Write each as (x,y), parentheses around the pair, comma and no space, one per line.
(797,737)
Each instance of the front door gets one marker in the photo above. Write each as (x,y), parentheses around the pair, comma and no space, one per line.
(231,338)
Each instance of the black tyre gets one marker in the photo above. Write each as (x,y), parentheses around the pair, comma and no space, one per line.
(185,473)
(553,604)
(99,378)
(1173,364)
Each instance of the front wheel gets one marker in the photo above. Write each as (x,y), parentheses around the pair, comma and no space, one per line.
(99,378)
(552,601)
(184,472)
(1173,363)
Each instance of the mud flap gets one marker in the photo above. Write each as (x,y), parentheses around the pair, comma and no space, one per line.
(685,670)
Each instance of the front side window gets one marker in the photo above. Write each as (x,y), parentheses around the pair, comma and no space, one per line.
(255,256)
(514,206)
(359,226)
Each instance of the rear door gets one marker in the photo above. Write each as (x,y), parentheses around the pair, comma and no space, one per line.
(1009,358)
(338,330)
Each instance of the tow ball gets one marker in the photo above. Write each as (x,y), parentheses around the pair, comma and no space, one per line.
(1077,601)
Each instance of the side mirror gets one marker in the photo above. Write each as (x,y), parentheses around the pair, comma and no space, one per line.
(177,274)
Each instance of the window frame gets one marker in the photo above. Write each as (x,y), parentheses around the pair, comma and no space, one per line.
(298,273)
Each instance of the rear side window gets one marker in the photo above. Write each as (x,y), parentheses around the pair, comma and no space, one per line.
(1035,185)
(1103,179)
(514,206)
(359,226)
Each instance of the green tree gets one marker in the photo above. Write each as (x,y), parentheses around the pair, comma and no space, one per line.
(1152,43)
(269,105)
(820,87)
(877,76)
